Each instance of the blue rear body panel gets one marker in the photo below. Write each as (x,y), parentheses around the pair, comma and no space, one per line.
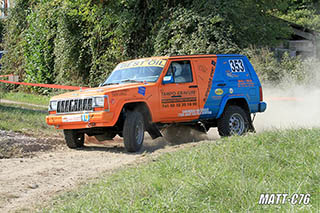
(234,78)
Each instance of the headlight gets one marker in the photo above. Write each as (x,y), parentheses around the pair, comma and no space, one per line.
(99,101)
(53,105)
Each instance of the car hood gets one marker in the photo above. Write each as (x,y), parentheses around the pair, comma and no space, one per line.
(100,90)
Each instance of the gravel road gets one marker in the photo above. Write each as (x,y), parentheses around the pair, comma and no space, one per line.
(35,179)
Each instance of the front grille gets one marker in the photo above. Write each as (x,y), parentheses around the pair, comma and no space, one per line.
(75,105)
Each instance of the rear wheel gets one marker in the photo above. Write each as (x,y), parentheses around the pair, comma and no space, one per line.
(74,139)
(233,122)
(133,131)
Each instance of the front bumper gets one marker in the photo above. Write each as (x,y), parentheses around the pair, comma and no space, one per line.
(81,120)
(262,107)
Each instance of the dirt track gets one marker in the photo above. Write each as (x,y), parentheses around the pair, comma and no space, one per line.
(25,182)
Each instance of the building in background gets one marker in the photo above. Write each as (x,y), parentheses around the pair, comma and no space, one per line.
(302,42)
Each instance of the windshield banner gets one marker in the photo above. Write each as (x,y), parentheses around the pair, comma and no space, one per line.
(142,63)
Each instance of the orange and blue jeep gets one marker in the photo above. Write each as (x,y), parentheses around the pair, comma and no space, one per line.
(149,94)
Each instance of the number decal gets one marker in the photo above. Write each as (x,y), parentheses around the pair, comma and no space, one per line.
(237,65)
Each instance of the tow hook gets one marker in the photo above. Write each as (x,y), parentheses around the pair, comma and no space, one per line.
(91,125)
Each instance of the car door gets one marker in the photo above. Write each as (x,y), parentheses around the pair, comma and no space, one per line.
(179,93)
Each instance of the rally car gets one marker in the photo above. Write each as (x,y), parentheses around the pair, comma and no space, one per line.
(149,94)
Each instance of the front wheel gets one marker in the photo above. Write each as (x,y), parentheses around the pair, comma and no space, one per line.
(133,131)
(233,122)
(73,138)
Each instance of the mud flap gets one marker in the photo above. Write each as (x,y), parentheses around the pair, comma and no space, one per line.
(153,130)
(251,127)
(200,127)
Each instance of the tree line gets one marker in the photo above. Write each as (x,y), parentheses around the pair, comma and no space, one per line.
(80,42)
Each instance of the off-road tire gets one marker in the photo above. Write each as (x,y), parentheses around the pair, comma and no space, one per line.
(133,131)
(234,121)
(106,136)
(73,138)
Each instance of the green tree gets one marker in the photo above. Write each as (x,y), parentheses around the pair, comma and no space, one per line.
(38,45)
(80,42)
(13,61)
(302,12)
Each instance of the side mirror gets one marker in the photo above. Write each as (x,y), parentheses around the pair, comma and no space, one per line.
(167,79)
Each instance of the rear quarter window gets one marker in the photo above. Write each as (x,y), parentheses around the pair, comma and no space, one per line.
(237,69)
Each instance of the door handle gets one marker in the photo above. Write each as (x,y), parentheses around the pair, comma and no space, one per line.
(221,85)
(176,96)
(193,86)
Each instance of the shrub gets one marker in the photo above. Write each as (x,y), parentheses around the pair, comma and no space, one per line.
(187,32)
(80,42)
(13,61)
(38,45)
(284,71)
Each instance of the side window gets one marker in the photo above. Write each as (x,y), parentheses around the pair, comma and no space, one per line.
(180,71)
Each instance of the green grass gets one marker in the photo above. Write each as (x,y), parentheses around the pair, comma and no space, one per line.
(227,175)
(24,120)
(28,98)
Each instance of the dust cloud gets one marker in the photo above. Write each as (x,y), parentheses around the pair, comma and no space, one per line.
(290,108)
(291,105)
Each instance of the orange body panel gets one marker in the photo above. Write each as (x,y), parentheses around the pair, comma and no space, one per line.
(167,103)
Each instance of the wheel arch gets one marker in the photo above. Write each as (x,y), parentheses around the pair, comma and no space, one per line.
(140,106)
(238,101)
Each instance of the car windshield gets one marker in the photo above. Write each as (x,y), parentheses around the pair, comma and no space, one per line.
(141,70)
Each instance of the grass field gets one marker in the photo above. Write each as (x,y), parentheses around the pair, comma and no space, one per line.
(24,118)
(29,121)
(227,175)
(27,98)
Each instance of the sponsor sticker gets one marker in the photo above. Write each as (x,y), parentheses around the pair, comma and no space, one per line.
(71,118)
(193,112)
(230,90)
(94,90)
(113,101)
(231,75)
(142,63)
(218,91)
(245,83)
(142,91)
(85,117)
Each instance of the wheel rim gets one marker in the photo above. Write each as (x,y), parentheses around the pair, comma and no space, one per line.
(139,132)
(80,138)
(236,124)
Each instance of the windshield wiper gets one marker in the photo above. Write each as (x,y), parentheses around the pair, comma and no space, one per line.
(131,81)
(109,84)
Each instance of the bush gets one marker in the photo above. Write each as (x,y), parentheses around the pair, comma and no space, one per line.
(38,45)
(284,71)
(13,61)
(186,32)
(80,42)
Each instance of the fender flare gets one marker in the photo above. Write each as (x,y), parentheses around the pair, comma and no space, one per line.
(135,102)
(225,101)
